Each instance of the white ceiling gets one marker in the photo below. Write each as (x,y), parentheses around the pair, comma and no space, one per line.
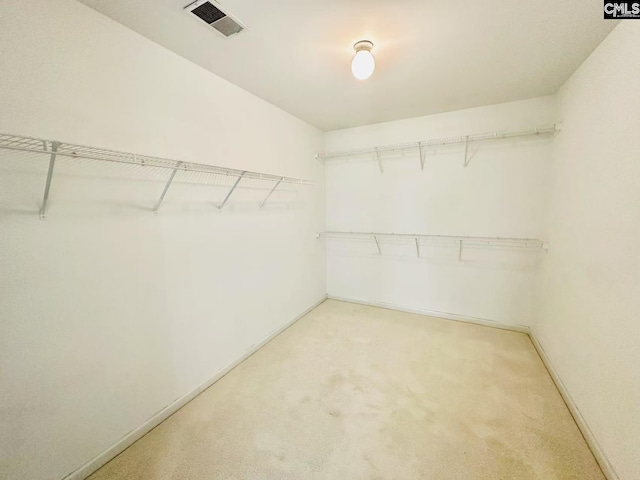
(432,55)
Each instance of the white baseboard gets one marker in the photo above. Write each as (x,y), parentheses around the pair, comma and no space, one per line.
(598,453)
(434,313)
(94,464)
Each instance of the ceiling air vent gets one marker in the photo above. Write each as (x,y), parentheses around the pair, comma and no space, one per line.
(210,12)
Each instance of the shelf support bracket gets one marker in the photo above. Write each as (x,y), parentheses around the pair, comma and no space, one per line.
(466,151)
(224,202)
(166,187)
(377,245)
(417,248)
(379,160)
(271,191)
(422,153)
(459,250)
(47,186)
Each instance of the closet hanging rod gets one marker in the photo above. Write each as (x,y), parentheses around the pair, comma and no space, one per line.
(43,146)
(420,238)
(439,142)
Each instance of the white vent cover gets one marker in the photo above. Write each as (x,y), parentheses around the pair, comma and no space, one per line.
(210,12)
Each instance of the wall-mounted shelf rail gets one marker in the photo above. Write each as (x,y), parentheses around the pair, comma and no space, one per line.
(422,146)
(52,149)
(417,239)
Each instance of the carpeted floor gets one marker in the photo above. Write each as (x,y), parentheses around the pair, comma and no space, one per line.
(355,392)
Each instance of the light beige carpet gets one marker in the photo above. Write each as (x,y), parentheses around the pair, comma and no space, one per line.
(355,392)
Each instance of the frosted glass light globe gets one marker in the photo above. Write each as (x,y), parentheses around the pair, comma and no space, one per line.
(363,63)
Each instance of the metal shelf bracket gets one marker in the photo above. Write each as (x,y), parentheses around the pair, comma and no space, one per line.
(417,248)
(224,202)
(270,192)
(379,160)
(47,186)
(377,245)
(466,151)
(422,155)
(166,188)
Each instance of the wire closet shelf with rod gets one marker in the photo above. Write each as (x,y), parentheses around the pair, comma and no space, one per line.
(418,240)
(421,147)
(51,150)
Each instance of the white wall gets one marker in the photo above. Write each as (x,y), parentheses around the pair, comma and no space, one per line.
(501,193)
(107,312)
(589,316)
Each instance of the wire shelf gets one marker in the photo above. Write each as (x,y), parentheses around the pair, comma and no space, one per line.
(37,145)
(54,149)
(418,239)
(439,142)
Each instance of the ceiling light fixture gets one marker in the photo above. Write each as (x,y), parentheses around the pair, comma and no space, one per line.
(363,63)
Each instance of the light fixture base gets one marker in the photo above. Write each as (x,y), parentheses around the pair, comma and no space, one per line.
(363,45)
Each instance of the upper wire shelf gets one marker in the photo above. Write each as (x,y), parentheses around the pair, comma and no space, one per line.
(36,145)
(423,145)
(60,149)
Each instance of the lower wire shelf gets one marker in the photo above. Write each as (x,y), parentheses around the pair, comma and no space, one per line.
(528,244)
